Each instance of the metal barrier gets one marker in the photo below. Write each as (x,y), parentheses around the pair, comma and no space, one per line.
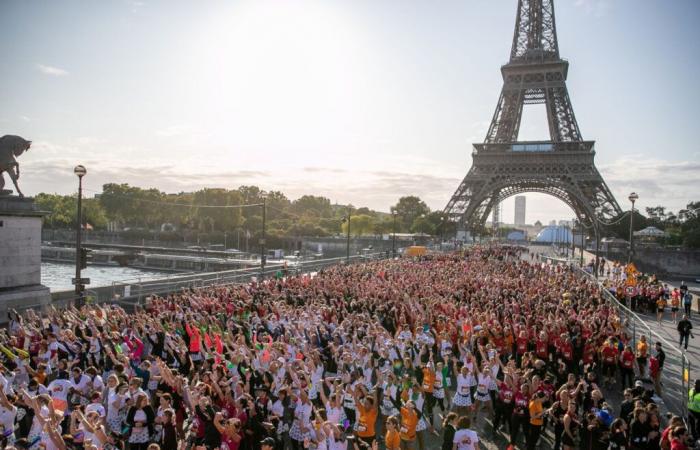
(676,375)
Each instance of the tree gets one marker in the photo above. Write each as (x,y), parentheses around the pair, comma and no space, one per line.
(657,216)
(360,225)
(621,227)
(277,205)
(690,225)
(63,211)
(93,213)
(311,205)
(211,218)
(422,224)
(383,225)
(407,209)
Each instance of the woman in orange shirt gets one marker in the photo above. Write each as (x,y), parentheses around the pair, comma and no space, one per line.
(675,304)
(392,440)
(367,410)
(642,355)
(409,421)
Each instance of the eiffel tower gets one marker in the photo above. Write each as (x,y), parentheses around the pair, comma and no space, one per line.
(562,166)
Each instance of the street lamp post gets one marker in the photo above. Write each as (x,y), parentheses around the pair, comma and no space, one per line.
(80,171)
(632,198)
(263,256)
(393,238)
(347,246)
(583,243)
(573,239)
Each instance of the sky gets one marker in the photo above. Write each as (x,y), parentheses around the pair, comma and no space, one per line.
(361,101)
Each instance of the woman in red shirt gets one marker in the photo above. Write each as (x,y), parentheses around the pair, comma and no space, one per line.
(679,439)
(541,347)
(627,360)
(609,355)
(521,346)
(520,417)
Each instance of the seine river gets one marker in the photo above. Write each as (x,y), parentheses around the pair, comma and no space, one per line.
(58,276)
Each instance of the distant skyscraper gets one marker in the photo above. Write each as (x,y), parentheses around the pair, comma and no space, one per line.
(520,210)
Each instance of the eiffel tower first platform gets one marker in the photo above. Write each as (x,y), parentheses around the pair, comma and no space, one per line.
(562,166)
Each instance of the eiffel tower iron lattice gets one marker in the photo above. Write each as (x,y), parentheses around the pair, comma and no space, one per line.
(563,166)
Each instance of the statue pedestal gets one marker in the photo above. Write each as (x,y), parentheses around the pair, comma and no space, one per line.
(20,256)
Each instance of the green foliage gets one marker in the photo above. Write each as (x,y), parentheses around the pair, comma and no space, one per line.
(62,211)
(407,210)
(621,228)
(360,225)
(216,219)
(144,211)
(683,228)
(311,205)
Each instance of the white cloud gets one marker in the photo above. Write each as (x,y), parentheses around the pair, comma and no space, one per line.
(658,182)
(51,70)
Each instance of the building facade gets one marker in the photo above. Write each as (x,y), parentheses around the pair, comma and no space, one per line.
(519,210)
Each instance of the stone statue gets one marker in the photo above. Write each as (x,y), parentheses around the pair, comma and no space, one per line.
(10,148)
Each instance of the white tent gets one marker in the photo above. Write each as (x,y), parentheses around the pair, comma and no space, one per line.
(651,232)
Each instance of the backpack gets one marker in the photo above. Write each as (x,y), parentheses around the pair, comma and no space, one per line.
(688,299)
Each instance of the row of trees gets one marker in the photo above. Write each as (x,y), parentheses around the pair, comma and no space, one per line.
(216,211)
(682,227)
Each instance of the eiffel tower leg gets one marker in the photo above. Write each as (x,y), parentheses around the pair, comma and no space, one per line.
(506,119)
(560,116)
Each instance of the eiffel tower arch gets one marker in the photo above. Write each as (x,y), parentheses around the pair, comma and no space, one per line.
(563,166)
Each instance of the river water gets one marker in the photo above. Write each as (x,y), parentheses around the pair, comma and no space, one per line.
(58,276)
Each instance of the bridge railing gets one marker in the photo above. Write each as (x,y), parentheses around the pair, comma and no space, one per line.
(677,372)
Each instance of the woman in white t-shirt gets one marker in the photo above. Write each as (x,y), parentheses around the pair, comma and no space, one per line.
(301,427)
(482,398)
(465,439)
(8,414)
(41,413)
(333,404)
(462,399)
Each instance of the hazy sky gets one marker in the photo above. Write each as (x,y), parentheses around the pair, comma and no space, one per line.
(362,101)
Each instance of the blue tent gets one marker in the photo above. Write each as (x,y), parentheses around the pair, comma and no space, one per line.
(554,234)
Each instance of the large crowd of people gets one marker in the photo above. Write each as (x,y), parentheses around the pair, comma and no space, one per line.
(445,351)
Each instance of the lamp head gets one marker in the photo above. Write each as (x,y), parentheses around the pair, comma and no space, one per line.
(80,171)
